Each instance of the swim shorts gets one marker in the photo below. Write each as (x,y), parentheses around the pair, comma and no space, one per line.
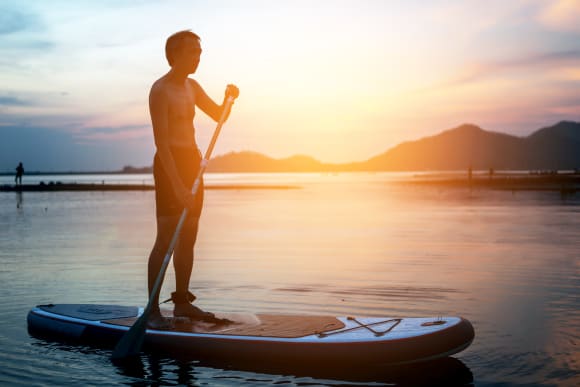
(187,161)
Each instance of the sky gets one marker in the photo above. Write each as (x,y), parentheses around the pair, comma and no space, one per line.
(340,81)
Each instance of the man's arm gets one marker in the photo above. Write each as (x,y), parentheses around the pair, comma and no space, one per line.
(206,104)
(159,110)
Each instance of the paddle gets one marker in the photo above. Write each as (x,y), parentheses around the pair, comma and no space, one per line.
(130,344)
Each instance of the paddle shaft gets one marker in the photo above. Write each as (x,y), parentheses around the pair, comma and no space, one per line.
(130,343)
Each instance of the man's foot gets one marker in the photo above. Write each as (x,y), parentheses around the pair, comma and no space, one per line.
(157,321)
(184,308)
(192,312)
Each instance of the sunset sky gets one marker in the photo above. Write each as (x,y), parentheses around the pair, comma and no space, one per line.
(337,80)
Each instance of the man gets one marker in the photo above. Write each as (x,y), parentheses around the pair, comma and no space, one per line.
(19,173)
(172,103)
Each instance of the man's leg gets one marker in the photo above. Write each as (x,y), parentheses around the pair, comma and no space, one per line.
(183,264)
(183,255)
(165,229)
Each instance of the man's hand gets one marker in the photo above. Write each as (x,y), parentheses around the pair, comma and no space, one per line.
(232,91)
(187,199)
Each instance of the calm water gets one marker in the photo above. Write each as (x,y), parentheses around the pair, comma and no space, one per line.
(348,244)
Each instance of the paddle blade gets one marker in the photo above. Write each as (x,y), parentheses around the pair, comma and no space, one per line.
(131,342)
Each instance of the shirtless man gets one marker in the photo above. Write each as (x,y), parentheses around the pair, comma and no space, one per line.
(172,102)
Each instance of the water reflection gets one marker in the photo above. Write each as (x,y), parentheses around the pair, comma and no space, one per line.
(447,372)
(152,368)
(19,200)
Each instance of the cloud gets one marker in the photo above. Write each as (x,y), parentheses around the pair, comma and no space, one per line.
(111,129)
(545,59)
(31,114)
(479,71)
(21,32)
(28,45)
(12,21)
(115,133)
(13,101)
(561,15)
(49,149)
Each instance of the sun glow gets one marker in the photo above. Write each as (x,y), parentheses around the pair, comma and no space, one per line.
(338,80)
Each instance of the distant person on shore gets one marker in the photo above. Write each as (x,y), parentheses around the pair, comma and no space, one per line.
(172,102)
(19,173)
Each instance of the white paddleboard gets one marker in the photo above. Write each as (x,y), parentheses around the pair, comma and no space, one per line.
(265,337)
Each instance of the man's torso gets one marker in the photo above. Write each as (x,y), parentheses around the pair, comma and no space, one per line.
(181,111)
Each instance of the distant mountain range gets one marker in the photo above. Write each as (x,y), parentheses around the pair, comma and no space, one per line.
(555,148)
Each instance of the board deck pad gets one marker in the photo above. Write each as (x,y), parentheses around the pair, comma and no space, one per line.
(92,312)
(247,324)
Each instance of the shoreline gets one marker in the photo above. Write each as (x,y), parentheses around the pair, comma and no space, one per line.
(564,183)
(60,187)
(424,172)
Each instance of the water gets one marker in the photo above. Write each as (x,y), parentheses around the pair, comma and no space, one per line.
(347,244)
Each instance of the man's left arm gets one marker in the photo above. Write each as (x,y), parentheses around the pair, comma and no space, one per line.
(207,105)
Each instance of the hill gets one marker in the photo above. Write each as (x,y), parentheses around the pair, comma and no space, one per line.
(555,147)
(257,162)
(552,148)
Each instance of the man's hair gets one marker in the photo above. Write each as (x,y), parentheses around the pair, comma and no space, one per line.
(175,42)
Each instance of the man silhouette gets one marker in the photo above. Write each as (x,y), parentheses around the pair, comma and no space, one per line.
(19,173)
(172,103)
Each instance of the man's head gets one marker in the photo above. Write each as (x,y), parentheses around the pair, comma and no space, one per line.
(183,49)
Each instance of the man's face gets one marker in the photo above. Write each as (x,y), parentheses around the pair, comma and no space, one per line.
(189,55)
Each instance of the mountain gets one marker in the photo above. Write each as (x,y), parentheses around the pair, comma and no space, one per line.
(256,162)
(552,148)
(555,147)
(453,149)
(566,130)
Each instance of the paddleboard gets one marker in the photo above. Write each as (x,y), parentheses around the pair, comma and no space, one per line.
(264,337)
